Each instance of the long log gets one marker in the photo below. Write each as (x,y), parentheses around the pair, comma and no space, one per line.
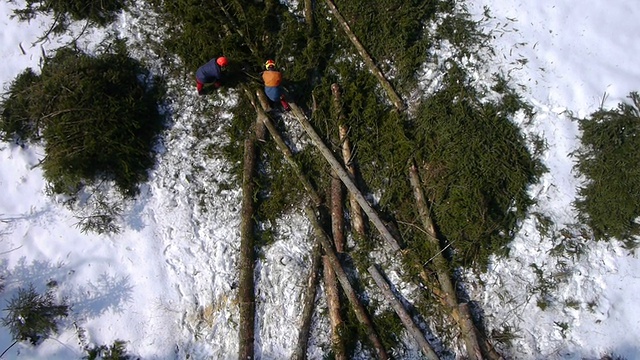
(246,262)
(337,199)
(403,314)
(358,308)
(461,312)
(330,282)
(345,177)
(303,334)
(308,305)
(386,85)
(357,219)
(282,146)
(333,302)
(236,26)
(465,322)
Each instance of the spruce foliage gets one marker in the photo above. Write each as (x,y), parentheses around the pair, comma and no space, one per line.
(394,31)
(246,32)
(16,122)
(479,165)
(610,161)
(115,351)
(97,115)
(33,317)
(477,168)
(97,12)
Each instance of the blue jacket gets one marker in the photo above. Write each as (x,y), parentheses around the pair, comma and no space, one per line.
(209,72)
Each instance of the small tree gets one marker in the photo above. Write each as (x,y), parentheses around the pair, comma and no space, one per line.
(33,317)
(117,351)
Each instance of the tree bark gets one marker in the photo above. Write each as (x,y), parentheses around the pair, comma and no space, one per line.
(308,13)
(465,322)
(246,287)
(344,176)
(333,302)
(404,315)
(391,93)
(337,214)
(358,308)
(262,98)
(300,353)
(357,219)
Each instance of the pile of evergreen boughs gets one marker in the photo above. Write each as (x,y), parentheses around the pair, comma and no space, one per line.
(476,167)
(97,116)
(610,160)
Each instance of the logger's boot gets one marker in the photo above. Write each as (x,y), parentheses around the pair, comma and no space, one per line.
(284,103)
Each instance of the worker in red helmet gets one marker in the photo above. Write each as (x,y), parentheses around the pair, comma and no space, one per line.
(210,73)
(272,79)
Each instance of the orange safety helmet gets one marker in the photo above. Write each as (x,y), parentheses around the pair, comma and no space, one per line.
(270,64)
(222,61)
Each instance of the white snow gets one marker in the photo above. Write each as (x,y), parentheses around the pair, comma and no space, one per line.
(570,59)
(166,283)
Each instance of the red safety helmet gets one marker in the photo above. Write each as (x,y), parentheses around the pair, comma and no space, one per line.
(222,61)
(270,64)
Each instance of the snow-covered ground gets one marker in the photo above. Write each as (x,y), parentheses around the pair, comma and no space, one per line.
(166,283)
(569,59)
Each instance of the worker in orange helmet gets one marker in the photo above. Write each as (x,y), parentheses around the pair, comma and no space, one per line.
(272,88)
(211,72)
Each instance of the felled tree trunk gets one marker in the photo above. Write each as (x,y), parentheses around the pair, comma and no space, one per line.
(308,305)
(460,312)
(282,146)
(358,308)
(237,27)
(357,219)
(345,177)
(312,282)
(391,93)
(404,315)
(330,282)
(333,302)
(246,262)
(337,214)
(308,12)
